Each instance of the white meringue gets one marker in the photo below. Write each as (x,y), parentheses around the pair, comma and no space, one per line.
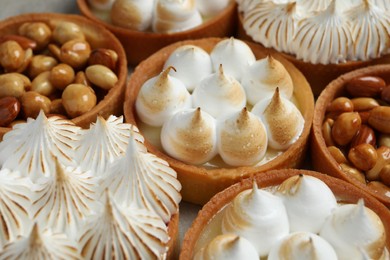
(211,8)
(242,139)
(15,194)
(132,14)
(282,119)
(228,247)
(192,64)
(271,24)
(219,94)
(160,97)
(308,201)
(259,216)
(234,55)
(302,246)
(123,232)
(370,29)
(263,77)
(101,144)
(37,141)
(39,244)
(190,136)
(175,15)
(354,229)
(102,5)
(142,179)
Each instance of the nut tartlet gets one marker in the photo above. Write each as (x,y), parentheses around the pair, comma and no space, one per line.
(104,100)
(298,29)
(347,134)
(68,192)
(283,194)
(200,182)
(141,44)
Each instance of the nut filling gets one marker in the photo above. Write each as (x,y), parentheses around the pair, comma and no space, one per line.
(53,69)
(356,130)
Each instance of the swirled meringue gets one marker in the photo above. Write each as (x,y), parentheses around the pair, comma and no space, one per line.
(211,8)
(132,14)
(143,179)
(259,216)
(175,15)
(15,194)
(324,38)
(354,229)
(101,144)
(308,201)
(190,136)
(263,77)
(123,232)
(219,94)
(103,5)
(282,119)
(271,24)
(39,244)
(160,97)
(302,246)
(370,30)
(37,141)
(66,199)
(192,64)
(234,55)
(228,247)
(242,139)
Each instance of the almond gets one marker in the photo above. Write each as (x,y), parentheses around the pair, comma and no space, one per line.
(365,86)
(379,119)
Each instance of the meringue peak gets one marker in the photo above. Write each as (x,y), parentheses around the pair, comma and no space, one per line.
(162,80)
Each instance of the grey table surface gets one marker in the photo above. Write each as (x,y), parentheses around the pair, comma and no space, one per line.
(15,7)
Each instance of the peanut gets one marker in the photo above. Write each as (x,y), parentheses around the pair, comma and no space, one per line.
(345,127)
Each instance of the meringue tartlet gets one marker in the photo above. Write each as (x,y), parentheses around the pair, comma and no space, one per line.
(358,34)
(202,178)
(290,214)
(108,101)
(76,193)
(144,27)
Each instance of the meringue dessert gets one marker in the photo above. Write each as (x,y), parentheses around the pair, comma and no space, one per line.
(84,193)
(242,135)
(299,217)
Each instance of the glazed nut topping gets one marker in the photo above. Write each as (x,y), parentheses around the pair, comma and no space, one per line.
(356,130)
(38,63)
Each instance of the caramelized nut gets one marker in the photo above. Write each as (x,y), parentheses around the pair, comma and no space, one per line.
(13,85)
(11,56)
(24,42)
(61,76)
(41,63)
(33,103)
(383,154)
(364,103)
(78,99)
(67,31)
(363,156)
(337,154)
(101,76)
(364,115)
(42,84)
(340,105)
(56,107)
(9,110)
(379,119)
(353,172)
(385,94)
(384,175)
(365,135)
(345,127)
(384,140)
(365,86)
(379,188)
(38,32)
(327,132)
(81,78)
(75,53)
(105,57)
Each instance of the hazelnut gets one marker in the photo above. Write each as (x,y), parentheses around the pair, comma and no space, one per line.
(33,102)
(67,31)
(37,31)
(61,76)
(41,63)
(11,56)
(75,53)
(42,84)
(78,99)
(13,85)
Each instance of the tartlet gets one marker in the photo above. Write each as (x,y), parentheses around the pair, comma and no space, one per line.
(343,191)
(322,71)
(328,163)
(139,45)
(200,183)
(98,37)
